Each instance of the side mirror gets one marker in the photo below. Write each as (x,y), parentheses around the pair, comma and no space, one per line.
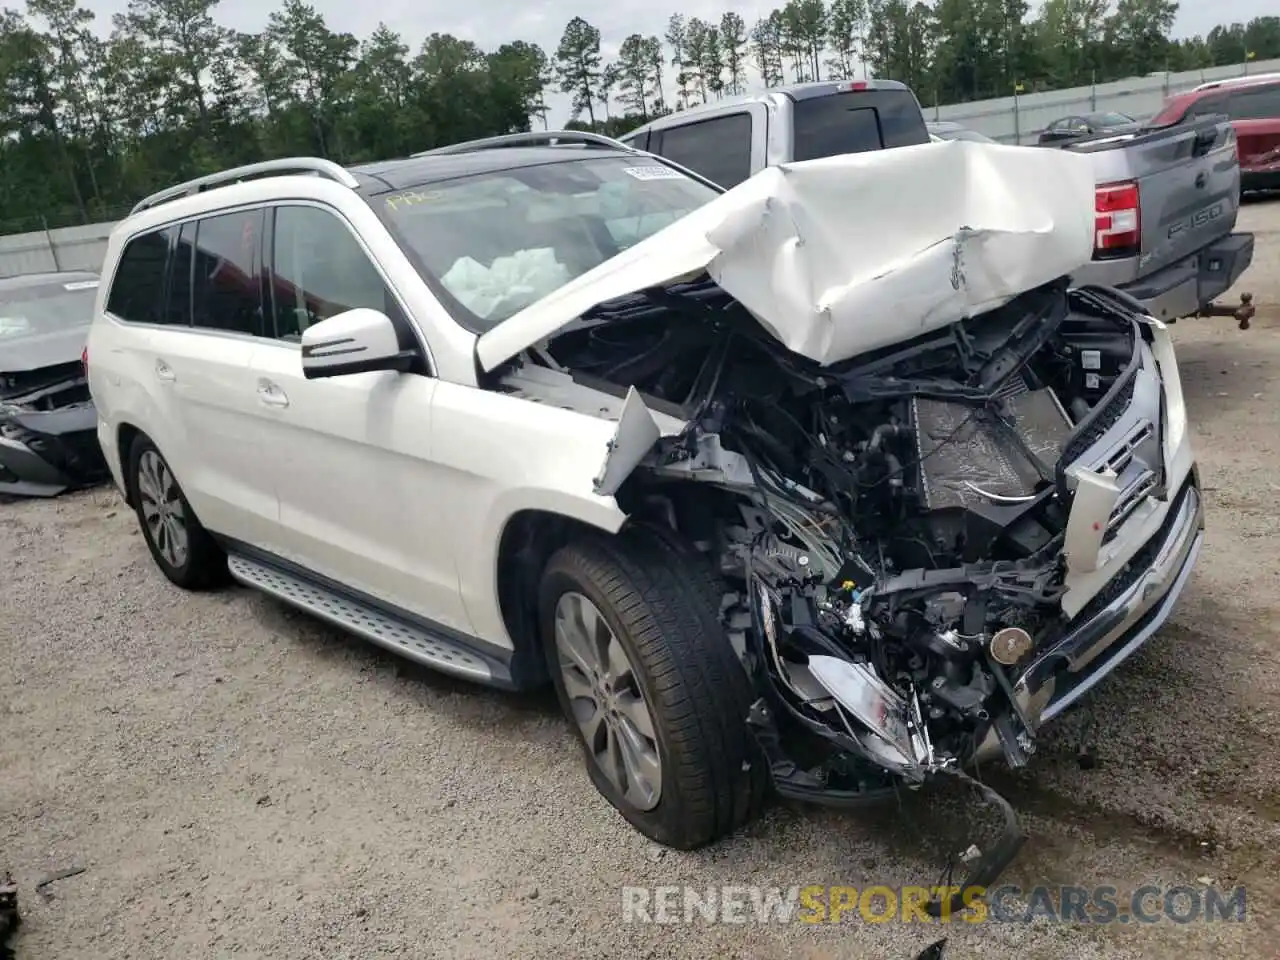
(356,341)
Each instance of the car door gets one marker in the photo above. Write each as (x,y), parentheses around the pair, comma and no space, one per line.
(351,454)
(200,359)
(1255,113)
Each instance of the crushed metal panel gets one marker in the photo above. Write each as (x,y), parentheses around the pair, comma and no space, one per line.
(1095,499)
(636,434)
(839,256)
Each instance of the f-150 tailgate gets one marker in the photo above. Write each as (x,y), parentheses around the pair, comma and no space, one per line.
(1188,184)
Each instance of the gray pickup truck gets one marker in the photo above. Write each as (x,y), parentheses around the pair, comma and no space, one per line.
(1166,200)
(1166,206)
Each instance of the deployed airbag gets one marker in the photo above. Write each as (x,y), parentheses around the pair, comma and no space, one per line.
(839,256)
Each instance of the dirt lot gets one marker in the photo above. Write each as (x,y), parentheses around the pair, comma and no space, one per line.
(238,780)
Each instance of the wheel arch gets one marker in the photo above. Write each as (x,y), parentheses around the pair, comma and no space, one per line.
(529,537)
(126,433)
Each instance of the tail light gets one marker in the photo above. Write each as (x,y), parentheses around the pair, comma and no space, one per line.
(1117,225)
(84,361)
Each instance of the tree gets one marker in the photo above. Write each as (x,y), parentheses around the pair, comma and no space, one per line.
(653,55)
(315,62)
(678,41)
(711,64)
(609,78)
(733,47)
(846,31)
(634,68)
(578,66)
(1139,29)
(516,82)
(766,48)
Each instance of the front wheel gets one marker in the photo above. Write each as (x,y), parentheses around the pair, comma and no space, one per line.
(652,687)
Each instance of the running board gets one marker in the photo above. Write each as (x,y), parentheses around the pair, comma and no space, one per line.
(413,641)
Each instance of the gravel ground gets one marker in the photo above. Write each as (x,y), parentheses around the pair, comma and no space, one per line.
(239,780)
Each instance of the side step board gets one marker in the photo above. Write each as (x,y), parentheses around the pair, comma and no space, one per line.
(412,641)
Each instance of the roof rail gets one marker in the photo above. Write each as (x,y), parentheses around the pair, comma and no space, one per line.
(532,139)
(275,168)
(1245,78)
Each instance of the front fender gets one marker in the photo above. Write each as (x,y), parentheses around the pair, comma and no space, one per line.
(498,455)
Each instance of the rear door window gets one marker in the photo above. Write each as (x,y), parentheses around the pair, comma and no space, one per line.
(856,122)
(1262,103)
(226,292)
(719,149)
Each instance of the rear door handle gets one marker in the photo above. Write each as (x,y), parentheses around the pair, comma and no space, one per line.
(165,372)
(271,394)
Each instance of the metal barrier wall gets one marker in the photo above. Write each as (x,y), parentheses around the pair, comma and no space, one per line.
(1020,119)
(68,248)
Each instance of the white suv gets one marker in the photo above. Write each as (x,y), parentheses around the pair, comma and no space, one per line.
(548,408)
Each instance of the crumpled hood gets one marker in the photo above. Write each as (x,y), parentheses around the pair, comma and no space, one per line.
(22,354)
(839,256)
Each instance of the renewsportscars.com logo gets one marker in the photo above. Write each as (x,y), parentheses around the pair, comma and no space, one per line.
(909,904)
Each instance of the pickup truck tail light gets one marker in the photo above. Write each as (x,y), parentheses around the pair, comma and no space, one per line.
(84,361)
(1117,225)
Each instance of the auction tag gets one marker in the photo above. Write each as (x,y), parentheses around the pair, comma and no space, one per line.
(654,172)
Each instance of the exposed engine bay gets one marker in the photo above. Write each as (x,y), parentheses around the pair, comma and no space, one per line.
(896,524)
(891,528)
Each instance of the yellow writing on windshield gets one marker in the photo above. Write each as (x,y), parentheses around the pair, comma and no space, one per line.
(409,198)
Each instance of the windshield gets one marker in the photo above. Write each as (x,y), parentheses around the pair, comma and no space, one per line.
(30,311)
(855,122)
(1112,119)
(497,242)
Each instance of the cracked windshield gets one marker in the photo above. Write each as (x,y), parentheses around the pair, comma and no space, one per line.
(499,241)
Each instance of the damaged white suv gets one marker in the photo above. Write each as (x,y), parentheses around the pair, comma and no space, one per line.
(823,485)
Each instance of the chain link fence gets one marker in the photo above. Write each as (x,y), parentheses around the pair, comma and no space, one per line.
(1021,118)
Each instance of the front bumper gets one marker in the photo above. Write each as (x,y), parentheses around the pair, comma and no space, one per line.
(1118,621)
(43,453)
(1186,287)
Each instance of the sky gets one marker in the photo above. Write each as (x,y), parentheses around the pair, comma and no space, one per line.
(490,23)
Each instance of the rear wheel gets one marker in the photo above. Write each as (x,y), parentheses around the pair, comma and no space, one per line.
(652,687)
(182,548)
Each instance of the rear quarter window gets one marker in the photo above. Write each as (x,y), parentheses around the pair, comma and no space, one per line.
(719,149)
(137,289)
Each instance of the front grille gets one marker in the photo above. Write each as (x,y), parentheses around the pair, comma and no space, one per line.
(1105,419)
(1139,563)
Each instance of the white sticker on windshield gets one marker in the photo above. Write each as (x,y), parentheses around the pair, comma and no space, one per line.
(655,172)
(80,285)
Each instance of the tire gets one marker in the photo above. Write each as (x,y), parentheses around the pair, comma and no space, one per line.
(201,565)
(660,603)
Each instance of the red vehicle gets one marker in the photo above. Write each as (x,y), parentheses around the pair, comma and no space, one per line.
(1253,104)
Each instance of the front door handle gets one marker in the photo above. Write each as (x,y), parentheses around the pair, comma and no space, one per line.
(271,394)
(164,371)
